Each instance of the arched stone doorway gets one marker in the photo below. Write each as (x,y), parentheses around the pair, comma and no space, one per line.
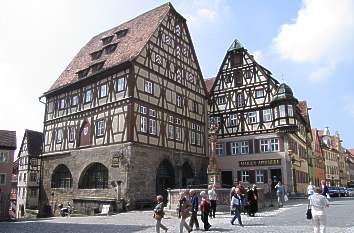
(187,175)
(165,178)
(95,176)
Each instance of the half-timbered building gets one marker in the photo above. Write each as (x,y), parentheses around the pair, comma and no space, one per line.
(263,132)
(126,119)
(28,174)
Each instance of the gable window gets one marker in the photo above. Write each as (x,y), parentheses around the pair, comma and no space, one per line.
(103,90)
(3,156)
(282,111)
(240,100)
(195,107)
(245,176)
(168,40)
(221,100)
(171,132)
(259,93)
(158,59)
(83,73)
(110,48)
(148,87)
(74,100)
(120,83)
(248,74)
(143,119)
(179,76)
(259,176)
(88,95)
(178,52)
(59,136)
(290,110)
(71,134)
(2,179)
(233,120)
(107,40)
(122,33)
(179,101)
(97,67)
(96,55)
(100,127)
(191,78)
(178,30)
(185,51)
(219,149)
(61,104)
(252,117)
(267,115)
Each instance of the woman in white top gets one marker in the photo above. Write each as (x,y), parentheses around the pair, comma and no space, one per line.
(212,197)
(318,204)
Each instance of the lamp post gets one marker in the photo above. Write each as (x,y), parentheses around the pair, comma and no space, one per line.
(294,164)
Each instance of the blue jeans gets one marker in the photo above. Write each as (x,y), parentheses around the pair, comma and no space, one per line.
(237,214)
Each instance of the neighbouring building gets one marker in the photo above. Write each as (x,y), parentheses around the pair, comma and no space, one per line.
(264,131)
(350,153)
(318,159)
(126,119)
(7,150)
(13,194)
(29,174)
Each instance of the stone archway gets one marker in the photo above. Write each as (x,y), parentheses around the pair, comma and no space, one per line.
(165,178)
(187,175)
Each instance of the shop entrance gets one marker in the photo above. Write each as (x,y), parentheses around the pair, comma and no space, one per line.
(275,175)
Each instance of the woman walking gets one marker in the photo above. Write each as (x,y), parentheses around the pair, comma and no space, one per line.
(318,204)
(280,194)
(212,197)
(252,202)
(236,203)
(183,212)
(158,214)
(204,208)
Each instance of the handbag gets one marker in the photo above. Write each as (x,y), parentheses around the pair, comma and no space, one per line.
(286,198)
(308,213)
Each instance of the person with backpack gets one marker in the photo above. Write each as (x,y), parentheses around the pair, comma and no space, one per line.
(205,208)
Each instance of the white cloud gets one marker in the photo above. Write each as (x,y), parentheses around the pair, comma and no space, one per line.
(322,73)
(349,104)
(322,32)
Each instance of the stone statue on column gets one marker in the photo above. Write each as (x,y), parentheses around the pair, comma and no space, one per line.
(214,173)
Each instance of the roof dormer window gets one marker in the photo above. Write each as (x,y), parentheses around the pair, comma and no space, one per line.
(96,55)
(121,33)
(110,48)
(97,67)
(107,40)
(83,73)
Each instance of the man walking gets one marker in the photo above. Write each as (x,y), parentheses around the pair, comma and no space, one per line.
(195,203)
(212,197)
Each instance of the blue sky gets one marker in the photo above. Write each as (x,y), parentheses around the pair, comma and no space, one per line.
(309,44)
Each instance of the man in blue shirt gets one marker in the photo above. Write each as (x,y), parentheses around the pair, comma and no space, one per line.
(195,203)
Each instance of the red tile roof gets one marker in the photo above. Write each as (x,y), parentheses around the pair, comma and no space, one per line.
(209,83)
(140,29)
(351,151)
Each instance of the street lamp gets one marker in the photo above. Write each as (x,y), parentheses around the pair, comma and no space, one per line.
(294,163)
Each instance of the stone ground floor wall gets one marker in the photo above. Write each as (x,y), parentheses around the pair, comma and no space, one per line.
(133,167)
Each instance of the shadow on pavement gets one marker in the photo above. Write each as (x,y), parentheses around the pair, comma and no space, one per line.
(43,227)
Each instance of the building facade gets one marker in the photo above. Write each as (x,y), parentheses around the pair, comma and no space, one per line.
(127,118)
(263,131)
(319,167)
(7,150)
(28,174)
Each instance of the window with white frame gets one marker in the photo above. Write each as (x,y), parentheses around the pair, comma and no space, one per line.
(148,87)
(120,84)
(267,115)
(195,134)
(100,127)
(178,129)
(74,100)
(252,117)
(88,95)
(259,176)
(290,110)
(152,121)
(71,134)
(264,145)
(282,111)
(61,103)
(259,93)
(59,136)
(248,74)
(143,119)
(179,101)
(240,100)
(219,149)
(274,144)
(3,156)
(245,176)
(178,52)
(238,148)
(195,106)
(244,147)
(221,100)
(103,90)
(269,145)
(233,120)
(158,59)
(178,30)
(168,40)
(2,179)
(179,76)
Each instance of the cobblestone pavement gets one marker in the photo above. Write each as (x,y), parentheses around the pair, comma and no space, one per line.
(289,219)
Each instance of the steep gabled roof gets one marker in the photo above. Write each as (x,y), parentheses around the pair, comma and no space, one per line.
(128,46)
(34,142)
(8,139)
(209,83)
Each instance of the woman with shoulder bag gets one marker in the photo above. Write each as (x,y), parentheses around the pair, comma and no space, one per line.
(183,212)
(158,214)
(318,204)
